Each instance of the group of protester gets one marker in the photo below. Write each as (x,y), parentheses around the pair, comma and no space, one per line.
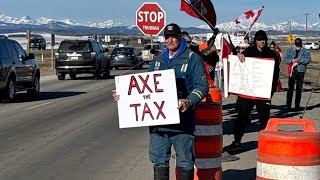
(180,52)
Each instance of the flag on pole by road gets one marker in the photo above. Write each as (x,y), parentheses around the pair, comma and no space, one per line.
(249,18)
(201,9)
(226,48)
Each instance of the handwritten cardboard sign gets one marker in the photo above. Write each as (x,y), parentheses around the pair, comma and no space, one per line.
(147,99)
(252,78)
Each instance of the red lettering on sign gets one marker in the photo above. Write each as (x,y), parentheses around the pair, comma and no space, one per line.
(146,109)
(160,109)
(136,109)
(156,83)
(133,84)
(145,83)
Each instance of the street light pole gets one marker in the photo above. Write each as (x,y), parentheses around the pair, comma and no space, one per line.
(307,26)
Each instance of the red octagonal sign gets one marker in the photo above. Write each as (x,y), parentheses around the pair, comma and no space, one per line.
(150,18)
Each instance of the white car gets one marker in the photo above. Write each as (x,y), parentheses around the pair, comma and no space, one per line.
(146,54)
(311,46)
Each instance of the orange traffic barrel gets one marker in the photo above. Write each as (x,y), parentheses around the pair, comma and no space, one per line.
(288,155)
(214,95)
(207,142)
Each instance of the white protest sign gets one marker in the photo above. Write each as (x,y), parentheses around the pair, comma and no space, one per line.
(251,78)
(147,99)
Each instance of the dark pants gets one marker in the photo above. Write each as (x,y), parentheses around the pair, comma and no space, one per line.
(292,80)
(245,107)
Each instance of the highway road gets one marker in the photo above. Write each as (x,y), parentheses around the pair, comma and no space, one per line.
(71,133)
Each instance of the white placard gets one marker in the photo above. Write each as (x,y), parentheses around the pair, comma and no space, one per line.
(251,78)
(147,99)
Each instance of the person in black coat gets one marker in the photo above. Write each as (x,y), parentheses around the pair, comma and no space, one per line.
(245,103)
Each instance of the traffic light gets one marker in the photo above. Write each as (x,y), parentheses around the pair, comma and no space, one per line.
(53,42)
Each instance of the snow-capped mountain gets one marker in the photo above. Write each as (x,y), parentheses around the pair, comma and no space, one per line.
(11,24)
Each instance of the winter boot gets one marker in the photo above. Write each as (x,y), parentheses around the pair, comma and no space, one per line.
(161,173)
(187,174)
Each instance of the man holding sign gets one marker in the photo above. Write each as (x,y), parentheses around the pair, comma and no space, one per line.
(246,103)
(192,87)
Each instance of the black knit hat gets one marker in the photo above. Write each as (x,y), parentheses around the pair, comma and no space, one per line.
(298,42)
(260,35)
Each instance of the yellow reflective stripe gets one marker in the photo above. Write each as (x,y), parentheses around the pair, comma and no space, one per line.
(184,68)
(190,54)
(157,63)
(199,92)
(196,93)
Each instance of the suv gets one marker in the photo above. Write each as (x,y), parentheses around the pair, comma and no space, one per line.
(82,56)
(311,46)
(18,71)
(38,43)
(147,56)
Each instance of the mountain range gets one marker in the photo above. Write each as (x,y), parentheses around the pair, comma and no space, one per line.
(67,27)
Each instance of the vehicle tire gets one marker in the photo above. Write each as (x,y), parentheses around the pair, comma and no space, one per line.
(106,73)
(73,76)
(44,48)
(97,74)
(35,91)
(116,68)
(61,76)
(311,48)
(10,91)
(39,48)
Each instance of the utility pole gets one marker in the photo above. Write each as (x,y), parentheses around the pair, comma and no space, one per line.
(307,26)
(52,45)
(290,32)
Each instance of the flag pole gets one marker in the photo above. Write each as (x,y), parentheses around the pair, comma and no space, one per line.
(201,15)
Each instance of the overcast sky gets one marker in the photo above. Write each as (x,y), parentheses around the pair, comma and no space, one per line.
(123,11)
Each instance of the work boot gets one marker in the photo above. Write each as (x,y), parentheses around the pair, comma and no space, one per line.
(234,146)
(161,173)
(187,174)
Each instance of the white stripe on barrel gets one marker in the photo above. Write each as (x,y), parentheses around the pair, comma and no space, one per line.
(272,171)
(208,130)
(208,163)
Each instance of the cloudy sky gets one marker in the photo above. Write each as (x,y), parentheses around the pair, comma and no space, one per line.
(123,11)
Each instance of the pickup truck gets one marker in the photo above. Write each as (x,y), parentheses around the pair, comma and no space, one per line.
(146,54)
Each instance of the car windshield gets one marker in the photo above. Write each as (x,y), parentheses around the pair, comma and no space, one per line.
(79,46)
(35,40)
(148,46)
(122,50)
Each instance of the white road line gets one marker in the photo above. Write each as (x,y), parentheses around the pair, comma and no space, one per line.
(33,107)
(97,88)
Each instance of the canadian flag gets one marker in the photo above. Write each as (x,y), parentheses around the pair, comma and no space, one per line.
(249,18)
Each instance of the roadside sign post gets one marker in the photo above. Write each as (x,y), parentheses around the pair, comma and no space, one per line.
(290,39)
(150,18)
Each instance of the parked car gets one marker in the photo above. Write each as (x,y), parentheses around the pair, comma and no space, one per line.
(147,56)
(82,56)
(38,43)
(18,71)
(311,46)
(126,57)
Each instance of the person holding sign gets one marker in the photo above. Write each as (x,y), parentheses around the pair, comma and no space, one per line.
(246,103)
(192,87)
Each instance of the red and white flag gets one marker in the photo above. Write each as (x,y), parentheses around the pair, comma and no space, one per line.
(249,18)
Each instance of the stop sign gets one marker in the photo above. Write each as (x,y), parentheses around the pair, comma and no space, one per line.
(150,18)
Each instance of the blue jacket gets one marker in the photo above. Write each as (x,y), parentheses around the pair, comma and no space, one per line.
(191,84)
(303,55)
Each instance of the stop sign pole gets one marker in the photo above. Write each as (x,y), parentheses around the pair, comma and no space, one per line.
(150,18)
